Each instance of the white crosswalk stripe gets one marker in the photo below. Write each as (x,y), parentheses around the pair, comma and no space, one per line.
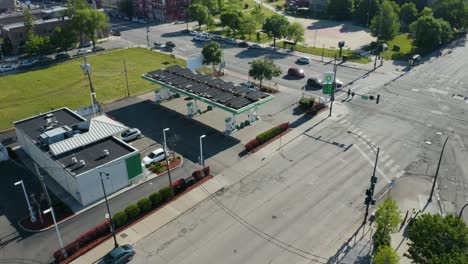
(389,163)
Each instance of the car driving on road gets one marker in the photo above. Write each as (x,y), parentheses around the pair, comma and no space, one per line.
(304,60)
(296,72)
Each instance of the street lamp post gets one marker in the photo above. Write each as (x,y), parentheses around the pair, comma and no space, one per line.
(437,171)
(167,162)
(332,96)
(108,210)
(86,67)
(51,210)
(31,209)
(202,162)
(461,211)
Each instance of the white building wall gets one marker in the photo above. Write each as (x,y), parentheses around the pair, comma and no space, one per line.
(62,177)
(90,182)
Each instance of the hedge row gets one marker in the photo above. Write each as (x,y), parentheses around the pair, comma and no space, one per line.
(266,136)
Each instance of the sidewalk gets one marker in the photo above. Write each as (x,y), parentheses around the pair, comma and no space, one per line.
(229,176)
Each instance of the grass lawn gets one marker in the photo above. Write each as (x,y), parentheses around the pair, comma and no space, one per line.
(252,38)
(30,93)
(241,5)
(330,53)
(275,3)
(405,42)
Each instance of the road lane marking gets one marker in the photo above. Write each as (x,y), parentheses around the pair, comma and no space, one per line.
(371,162)
(389,163)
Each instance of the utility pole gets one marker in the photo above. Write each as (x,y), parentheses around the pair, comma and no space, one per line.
(332,96)
(167,162)
(323,49)
(368,14)
(437,171)
(126,77)
(147,35)
(86,67)
(108,210)
(370,192)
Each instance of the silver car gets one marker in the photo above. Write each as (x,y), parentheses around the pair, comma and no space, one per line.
(119,255)
(130,134)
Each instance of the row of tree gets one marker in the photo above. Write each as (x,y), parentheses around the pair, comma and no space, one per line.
(84,23)
(434,239)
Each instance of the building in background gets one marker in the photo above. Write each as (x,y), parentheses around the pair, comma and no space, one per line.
(152,10)
(318,8)
(7,6)
(74,151)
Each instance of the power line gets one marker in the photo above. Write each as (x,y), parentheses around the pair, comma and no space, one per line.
(264,235)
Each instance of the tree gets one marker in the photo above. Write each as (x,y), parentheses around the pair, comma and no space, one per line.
(386,24)
(36,44)
(212,54)
(246,25)
(258,15)
(263,69)
(430,32)
(295,32)
(396,8)
(73,5)
(62,38)
(276,26)
(126,7)
(385,255)
(200,13)
(212,5)
(232,20)
(453,11)
(362,11)
(435,239)
(28,21)
(388,216)
(427,11)
(408,14)
(340,9)
(88,21)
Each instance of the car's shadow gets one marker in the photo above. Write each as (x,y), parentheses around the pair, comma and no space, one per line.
(290,77)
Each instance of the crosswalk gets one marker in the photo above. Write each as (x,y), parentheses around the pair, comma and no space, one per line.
(387,165)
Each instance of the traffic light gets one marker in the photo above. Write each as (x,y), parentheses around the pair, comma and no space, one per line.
(369,201)
(341,44)
(377,99)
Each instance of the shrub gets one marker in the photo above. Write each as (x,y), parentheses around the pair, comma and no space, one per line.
(144,204)
(247,123)
(132,211)
(120,218)
(206,170)
(284,126)
(197,174)
(165,193)
(158,167)
(179,186)
(155,198)
(251,144)
(381,238)
(246,6)
(306,103)
(12,153)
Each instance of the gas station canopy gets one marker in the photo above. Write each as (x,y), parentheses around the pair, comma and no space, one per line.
(213,91)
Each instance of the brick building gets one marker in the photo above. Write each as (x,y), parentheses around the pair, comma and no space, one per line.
(159,10)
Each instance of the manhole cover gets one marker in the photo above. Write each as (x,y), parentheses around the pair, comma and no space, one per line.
(123,235)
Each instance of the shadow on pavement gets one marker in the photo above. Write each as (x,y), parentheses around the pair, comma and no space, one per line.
(357,249)
(184,134)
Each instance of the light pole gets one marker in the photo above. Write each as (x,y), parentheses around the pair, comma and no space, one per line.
(108,210)
(437,171)
(51,210)
(31,209)
(332,96)
(461,211)
(86,68)
(202,162)
(167,161)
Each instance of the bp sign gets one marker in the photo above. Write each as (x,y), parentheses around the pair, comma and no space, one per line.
(328,83)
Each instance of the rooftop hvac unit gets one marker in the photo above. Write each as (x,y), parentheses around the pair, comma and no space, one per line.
(105,152)
(74,160)
(82,163)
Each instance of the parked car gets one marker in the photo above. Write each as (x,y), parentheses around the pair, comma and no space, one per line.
(155,156)
(28,63)
(304,60)
(293,71)
(230,41)
(85,44)
(167,49)
(255,46)
(97,49)
(193,33)
(250,86)
(217,37)
(158,45)
(115,33)
(314,82)
(119,255)
(243,44)
(130,134)
(62,56)
(170,44)
(5,68)
(201,38)
(83,51)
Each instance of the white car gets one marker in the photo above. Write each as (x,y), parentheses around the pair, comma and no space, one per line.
(155,156)
(130,134)
(217,37)
(201,38)
(305,60)
(83,51)
(193,33)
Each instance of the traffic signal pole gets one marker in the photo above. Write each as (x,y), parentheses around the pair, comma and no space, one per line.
(369,198)
(332,97)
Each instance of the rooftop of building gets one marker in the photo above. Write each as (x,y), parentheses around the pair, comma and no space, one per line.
(36,125)
(94,155)
(36,22)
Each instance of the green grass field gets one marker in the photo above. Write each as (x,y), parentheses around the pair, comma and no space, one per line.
(405,42)
(329,53)
(64,84)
